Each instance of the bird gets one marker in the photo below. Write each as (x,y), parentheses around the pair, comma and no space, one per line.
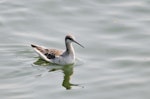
(57,56)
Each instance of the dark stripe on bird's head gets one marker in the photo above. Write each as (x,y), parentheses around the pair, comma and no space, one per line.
(69,37)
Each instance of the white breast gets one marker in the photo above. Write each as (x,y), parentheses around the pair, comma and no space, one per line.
(64,60)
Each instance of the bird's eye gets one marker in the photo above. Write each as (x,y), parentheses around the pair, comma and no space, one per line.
(70,39)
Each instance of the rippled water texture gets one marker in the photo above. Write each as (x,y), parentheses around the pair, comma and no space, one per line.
(115,63)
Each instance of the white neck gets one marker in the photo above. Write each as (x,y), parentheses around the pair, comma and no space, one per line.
(69,48)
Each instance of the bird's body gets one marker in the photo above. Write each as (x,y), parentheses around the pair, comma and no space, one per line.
(58,56)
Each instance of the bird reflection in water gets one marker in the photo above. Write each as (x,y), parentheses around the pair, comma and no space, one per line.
(67,70)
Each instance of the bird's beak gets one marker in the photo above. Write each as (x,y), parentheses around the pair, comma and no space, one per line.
(78,43)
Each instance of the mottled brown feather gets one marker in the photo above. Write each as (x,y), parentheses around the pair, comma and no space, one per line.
(54,52)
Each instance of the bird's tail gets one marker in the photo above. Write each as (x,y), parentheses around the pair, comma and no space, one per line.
(33,45)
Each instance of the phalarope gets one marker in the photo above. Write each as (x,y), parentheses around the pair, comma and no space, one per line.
(58,56)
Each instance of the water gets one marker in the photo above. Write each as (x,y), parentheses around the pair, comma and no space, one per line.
(113,65)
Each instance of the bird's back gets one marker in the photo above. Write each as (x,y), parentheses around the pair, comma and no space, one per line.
(49,53)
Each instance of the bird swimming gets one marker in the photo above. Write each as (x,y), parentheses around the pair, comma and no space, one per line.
(58,56)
